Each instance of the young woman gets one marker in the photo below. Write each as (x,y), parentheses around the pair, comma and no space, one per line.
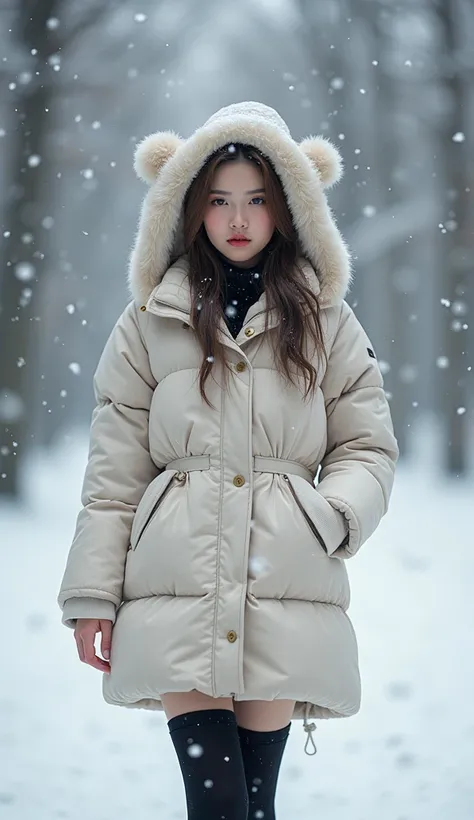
(206,556)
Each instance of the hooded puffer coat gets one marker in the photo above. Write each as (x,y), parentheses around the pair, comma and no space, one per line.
(203,535)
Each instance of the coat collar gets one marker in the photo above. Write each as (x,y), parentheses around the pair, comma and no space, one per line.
(171,298)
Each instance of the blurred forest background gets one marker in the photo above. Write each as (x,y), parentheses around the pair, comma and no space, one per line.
(391,83)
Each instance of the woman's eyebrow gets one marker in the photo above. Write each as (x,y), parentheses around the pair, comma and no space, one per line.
(229,193)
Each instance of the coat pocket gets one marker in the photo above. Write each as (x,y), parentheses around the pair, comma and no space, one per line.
(304,509)
(151,500)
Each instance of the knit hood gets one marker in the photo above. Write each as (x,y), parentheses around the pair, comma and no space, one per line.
(169,163)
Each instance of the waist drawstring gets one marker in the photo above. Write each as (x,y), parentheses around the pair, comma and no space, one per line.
(309,728)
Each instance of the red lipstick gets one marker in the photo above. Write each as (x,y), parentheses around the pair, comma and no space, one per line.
(238,240)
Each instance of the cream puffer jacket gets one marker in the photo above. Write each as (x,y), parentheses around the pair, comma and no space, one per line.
(216,540)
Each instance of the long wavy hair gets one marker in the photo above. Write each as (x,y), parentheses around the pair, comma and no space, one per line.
(284,282)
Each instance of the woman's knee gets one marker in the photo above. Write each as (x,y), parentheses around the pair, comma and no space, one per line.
(264,715)
(179,703)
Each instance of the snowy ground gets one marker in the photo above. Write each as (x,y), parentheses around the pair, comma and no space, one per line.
(408,754)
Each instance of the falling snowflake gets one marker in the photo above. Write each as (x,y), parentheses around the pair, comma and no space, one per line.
(460,411)
(11,407)
(258,565)
(25,271)
(195,750)
(442,362)
(75,368)
(459,136)
(408,374)
(459,308)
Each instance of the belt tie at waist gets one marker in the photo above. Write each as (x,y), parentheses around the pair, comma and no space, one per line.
(261,464)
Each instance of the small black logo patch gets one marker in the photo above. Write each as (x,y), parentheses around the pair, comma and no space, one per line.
(371,353)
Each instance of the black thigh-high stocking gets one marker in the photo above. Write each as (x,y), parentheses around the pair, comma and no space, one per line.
(208,748)
(262,753)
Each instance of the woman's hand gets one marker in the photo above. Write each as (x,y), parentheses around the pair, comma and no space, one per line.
(84,633)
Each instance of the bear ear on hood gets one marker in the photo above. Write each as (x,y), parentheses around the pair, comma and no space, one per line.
(153,152)
(325,158)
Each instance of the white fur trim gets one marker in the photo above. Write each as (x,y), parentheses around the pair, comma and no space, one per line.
(159,238)
(152,153)
(325,157)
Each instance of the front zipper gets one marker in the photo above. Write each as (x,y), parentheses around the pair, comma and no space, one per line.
(180,477)
(310,523)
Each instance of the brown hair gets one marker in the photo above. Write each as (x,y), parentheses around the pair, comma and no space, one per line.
(284,281)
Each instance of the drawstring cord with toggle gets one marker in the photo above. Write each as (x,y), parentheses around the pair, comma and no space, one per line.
(309,728)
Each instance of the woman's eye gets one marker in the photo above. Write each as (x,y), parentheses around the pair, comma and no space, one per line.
(216,201)
(260,198)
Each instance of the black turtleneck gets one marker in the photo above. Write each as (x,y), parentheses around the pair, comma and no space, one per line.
(242,288)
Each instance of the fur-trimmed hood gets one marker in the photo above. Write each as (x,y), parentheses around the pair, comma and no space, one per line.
(169,164)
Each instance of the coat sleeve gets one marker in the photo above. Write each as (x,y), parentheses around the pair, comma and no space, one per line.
(357,471)
(118,470)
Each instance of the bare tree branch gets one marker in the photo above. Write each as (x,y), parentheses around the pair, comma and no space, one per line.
(94,15)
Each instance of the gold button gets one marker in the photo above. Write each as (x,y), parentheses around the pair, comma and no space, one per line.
(143,307)
(240,366)
(232,636)
(249,331)
(239,481)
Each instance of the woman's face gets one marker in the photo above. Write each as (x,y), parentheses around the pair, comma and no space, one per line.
(237,206)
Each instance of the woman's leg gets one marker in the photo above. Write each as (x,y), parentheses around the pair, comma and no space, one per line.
(178,703)
(205,736)
(263,715)
(263,728)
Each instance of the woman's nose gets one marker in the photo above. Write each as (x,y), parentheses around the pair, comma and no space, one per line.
(238,220)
